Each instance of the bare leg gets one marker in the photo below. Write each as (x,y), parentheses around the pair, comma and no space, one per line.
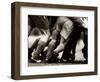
(41,44)
(51,45)
(60,47)
(38,50)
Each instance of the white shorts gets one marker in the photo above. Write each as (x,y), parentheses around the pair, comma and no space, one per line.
(33,38)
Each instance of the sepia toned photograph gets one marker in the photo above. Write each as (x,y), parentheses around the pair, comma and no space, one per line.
(50,40)
(57,40)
